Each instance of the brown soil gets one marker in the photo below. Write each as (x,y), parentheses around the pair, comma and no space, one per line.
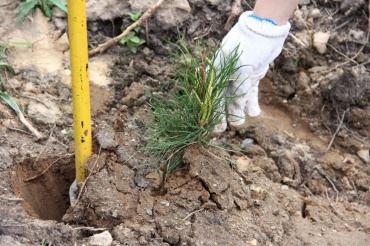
(45,195)
(284,188)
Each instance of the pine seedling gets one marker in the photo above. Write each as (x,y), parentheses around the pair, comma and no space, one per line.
(193,108)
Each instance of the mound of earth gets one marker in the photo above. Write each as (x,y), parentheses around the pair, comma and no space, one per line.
(297,175)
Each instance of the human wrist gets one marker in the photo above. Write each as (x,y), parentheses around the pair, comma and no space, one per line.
(277,10)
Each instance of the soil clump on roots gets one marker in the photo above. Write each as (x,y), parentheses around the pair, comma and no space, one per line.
(299,174)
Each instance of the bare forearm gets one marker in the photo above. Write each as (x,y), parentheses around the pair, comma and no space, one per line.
(277,10)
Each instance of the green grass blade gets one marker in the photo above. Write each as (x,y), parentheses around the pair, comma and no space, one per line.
(46,8)
(25,8)
(7,66)
(19,44)
(59,4)
(10,101)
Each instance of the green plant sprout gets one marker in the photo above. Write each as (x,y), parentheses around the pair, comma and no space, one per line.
(4,68)
(44,242)
(27,6)
(132,40)
(193,108)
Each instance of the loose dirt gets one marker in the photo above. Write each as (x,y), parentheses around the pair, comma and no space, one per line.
(275,182)
(45,195)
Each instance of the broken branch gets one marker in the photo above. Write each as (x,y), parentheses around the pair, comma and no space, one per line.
(45,170)
(29,126)
(337,131)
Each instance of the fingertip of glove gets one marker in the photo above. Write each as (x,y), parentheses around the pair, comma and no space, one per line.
(254,113)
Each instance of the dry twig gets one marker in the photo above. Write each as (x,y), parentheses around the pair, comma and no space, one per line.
(297,40)
(29,126)
(322,173)
(337,131)
(236,10)
(88,228)
(11,199)
(111,42)
(353,58)
(342,54)
(18,130)
(45,170)
(192,213)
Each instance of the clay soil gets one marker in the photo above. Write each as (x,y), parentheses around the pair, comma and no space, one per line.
(297,175)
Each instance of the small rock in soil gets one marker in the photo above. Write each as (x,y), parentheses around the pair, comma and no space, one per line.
(47,112)
(254,150)
(106,10)
(106,138)
(268,166)
(63,43)
(303,81)
(320,41)
(126,156)
(315,13)
(29,87)
(170,14)
(140,180)
(133,92)
(101,239)
(364,155)
(257,192)
(246,142)
(124,234)
(357,34)
(252,242)
(243,164)
(60,23)
(142,241)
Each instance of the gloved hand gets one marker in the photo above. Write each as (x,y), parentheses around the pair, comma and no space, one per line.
(259,42)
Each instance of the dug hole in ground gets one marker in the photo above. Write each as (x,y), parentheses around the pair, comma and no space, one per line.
(301,172)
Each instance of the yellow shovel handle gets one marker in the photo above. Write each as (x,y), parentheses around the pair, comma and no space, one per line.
(77,32)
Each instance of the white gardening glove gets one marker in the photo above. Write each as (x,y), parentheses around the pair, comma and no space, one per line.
(259,42)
